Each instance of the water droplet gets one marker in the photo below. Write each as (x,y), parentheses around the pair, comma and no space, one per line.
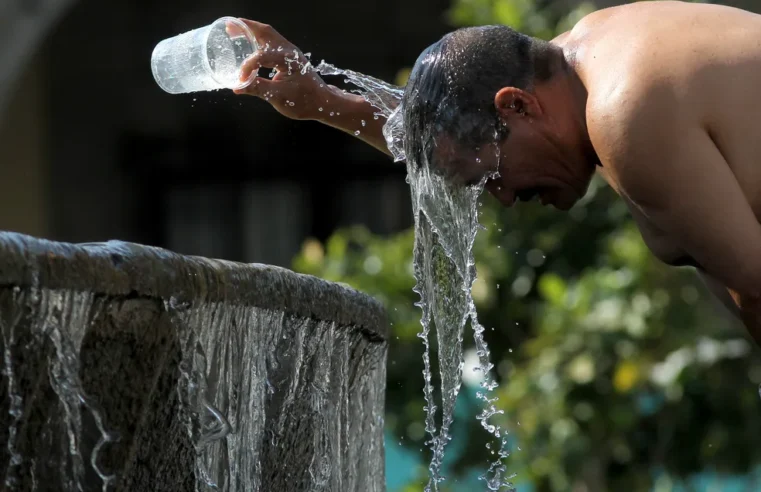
(319,109)
(356,133)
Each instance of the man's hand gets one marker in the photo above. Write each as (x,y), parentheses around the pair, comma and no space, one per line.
(295,90)
(299,93)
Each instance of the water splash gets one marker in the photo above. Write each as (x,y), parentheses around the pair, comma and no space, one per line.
(381,95)
(446,225)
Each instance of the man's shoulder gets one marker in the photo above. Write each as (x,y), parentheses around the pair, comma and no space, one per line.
(623,114)
(634,128)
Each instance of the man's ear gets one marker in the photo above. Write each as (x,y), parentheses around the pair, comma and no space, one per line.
(512,102)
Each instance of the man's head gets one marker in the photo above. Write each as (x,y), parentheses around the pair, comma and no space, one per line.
(486,91)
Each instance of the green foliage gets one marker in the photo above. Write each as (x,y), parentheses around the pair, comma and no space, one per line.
(630,368)
(611,364)
(540,19)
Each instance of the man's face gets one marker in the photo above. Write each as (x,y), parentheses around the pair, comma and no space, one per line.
(529,167)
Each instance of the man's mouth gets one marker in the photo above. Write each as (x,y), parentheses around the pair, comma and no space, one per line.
(529,194)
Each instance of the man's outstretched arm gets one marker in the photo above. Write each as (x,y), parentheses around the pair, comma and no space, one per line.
(302,94)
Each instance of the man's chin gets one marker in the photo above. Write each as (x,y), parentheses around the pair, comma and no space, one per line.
(563,207)
(561,201)
(507,200)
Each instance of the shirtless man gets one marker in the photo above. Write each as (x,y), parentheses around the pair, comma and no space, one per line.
(661,98)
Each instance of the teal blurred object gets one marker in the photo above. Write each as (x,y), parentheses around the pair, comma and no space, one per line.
(403,463)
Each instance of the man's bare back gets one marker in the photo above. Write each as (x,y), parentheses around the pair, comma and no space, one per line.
(674,116)
(707,56)
(663,94)
(715,77)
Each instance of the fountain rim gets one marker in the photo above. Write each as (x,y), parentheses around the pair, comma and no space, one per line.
(120,268)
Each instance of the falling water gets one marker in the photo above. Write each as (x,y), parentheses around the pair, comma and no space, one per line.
(381,95)
(58,329)
(230,387)
(446,224)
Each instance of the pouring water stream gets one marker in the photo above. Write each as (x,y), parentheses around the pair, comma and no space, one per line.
(446,225)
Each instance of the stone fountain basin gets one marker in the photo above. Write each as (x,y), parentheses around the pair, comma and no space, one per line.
(128,367)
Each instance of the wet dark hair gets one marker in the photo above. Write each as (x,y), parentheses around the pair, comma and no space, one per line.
(452,86)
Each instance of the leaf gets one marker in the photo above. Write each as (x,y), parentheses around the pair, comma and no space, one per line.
(552,288)
(509,13)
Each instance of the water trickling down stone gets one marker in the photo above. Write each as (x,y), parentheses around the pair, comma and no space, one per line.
(251,378)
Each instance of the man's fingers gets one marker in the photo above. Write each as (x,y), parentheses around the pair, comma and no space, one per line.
(265,34)
(261,59)
(233,29)
(260,87)
(250,65)
(267,57)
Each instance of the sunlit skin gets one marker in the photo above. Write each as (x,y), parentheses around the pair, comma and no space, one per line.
(660,98)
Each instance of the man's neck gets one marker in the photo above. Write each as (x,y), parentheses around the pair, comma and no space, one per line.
(568,92)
